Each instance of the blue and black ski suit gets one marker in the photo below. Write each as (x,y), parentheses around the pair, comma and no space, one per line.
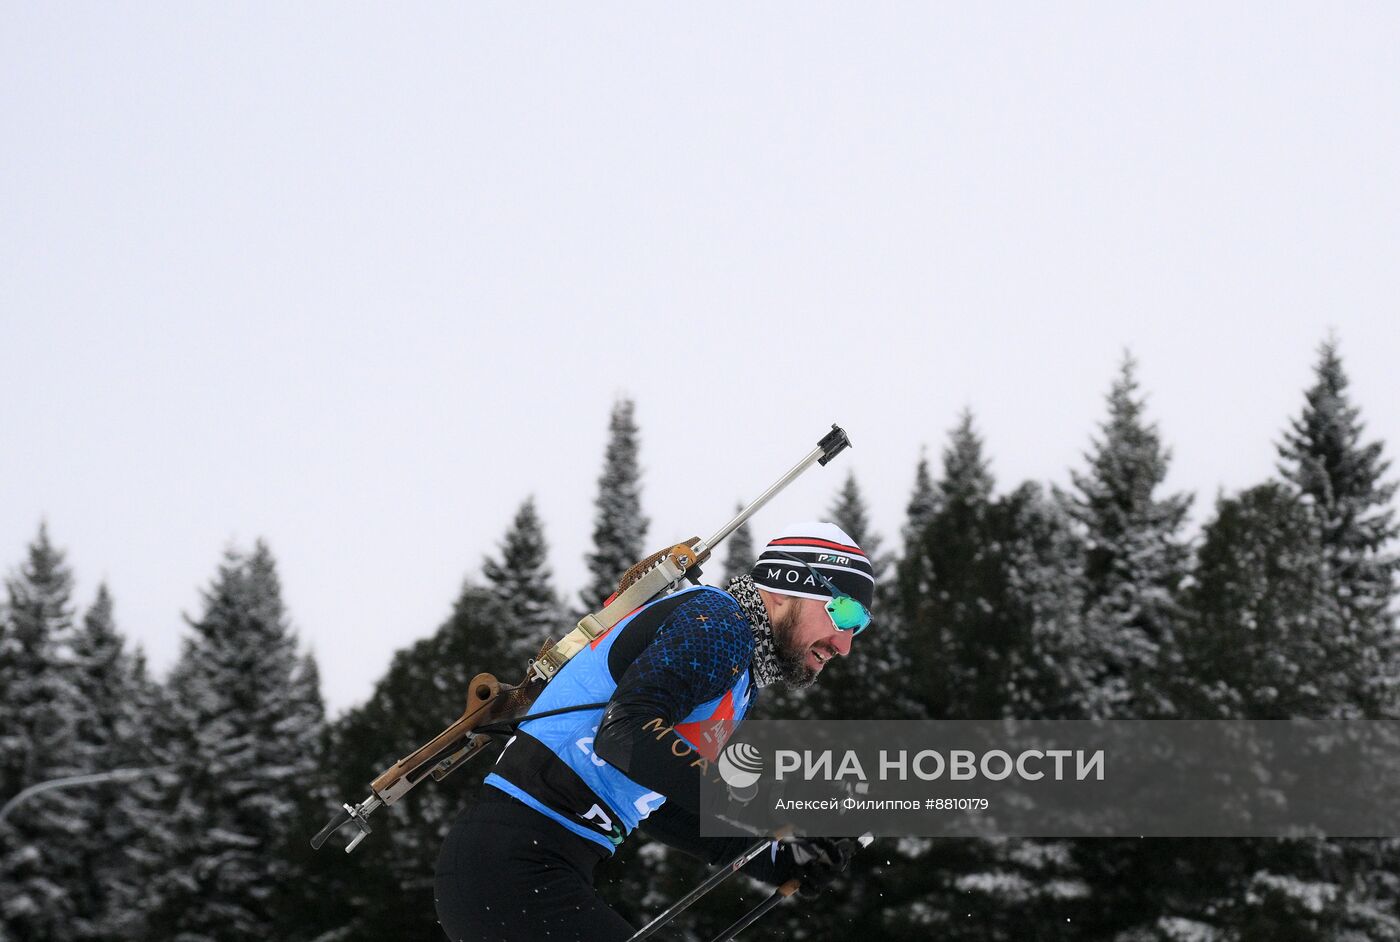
(567,789)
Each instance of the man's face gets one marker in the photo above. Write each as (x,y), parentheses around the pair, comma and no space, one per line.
(806,639)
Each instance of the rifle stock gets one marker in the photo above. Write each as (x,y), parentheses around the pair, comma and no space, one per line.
(394,782)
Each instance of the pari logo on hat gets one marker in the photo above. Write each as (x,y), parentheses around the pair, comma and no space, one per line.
(826,548)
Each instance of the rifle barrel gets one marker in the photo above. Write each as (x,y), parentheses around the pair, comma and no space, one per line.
(825,451)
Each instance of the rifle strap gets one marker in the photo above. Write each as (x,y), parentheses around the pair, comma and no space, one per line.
(502,727)
(669,568)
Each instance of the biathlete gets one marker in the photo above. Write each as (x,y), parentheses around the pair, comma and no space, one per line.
(518,864)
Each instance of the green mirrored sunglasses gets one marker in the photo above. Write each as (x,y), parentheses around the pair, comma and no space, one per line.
(846,613)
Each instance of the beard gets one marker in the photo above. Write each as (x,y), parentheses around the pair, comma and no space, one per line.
(793,670)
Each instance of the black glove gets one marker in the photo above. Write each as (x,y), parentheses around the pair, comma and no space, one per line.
(815,861)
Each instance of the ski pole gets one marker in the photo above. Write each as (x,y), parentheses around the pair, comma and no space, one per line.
(708,884)
(778,895)
(757,913)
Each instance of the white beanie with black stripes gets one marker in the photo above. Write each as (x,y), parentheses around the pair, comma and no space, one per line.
(826,548)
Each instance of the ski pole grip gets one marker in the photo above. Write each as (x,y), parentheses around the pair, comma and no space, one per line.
(835,442)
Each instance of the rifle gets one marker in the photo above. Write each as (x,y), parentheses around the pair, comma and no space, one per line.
(492,704)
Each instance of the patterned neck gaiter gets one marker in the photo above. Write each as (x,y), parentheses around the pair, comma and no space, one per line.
(765,650)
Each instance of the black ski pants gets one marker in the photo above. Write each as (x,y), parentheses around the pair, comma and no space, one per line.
(509,874)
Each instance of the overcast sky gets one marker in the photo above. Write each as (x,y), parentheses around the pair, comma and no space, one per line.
(359,279)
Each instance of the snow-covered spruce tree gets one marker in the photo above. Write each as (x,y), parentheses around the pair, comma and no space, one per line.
(739,553)
(1263,642)
(114,736)
(247,744)
(966,477)
(309,904)
(993,612)
(923,504)
(619,528)
(992,593)
(42,884)
(521,579)
(900,593)
(1261,639)
(949,586)
(141,809)
(1341,478)
(1324,458)
(1135,564)
(1050,669)
(960,628)
(1137,558)
(1252,646)
(890,612)
(103,677)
